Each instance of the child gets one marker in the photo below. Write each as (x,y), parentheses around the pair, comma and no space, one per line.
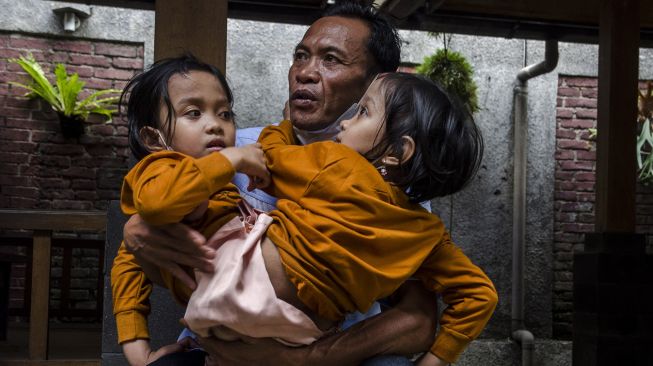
(348,228)
(344,233)
(183,105)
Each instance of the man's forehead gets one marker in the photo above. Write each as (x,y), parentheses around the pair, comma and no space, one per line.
(339,33)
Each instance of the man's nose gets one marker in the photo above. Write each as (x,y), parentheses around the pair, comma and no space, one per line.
(308,72)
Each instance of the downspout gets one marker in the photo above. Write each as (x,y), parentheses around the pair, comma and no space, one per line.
(520,114)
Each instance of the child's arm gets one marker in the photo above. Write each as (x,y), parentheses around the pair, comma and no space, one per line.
(466,289)
(167,186)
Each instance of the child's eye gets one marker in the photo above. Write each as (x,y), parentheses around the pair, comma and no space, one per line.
(194,113)
(226,115)
(362,110)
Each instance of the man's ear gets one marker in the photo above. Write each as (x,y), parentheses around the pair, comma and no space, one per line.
(408,149)
(152,139)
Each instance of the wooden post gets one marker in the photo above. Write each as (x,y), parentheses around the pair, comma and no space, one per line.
(617,113)
(198,26)
(38,323)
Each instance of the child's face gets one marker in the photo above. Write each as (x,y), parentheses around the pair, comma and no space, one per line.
(202,116)
(363,131)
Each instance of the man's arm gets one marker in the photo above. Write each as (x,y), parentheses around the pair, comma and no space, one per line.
(407,328)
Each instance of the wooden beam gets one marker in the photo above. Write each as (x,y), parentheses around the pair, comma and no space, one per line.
(38,320)
(53,220)
(198,26)
(73,362)
(617,113)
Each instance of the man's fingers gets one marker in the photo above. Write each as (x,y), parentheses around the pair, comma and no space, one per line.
(178,272)
(184,239)
(164,256)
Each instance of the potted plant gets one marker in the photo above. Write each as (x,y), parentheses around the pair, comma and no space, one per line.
(453,72)
(64,96)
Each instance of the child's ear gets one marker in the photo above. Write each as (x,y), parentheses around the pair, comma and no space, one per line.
(408,149)
(152,139)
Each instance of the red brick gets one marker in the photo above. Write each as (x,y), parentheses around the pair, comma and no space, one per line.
(62,149)
(119,141)
(590,93)
(99,84)
(120,84)
(33,125)
(565,196)
(82,184)
(88,60)
(60,57)
(568,92)
(78,172)
(564,155)
(113,74)
(22,103)
(586,197)
(573,144)
(15,180)
(581,82)
(584,186)
(82,71)
(564,186)
(71,205)
(122,131)
(73,46)
(585,177)
(18,146)
(15,112)
(128,63)
(49,183)
(580,103)
(587,136)
(22,202)
(39,44)
(566,176)
(115,49)
(586,155)
(13,134)
(103,130)
(52,160)
(86,195)
(88,139)
(586,114)
(565,217)
(18,158)
(100,150)
(47,136)
(566,134)
(27,192)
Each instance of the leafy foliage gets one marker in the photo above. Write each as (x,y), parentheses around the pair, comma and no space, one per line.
(645,138)
(63,97)
(454,73)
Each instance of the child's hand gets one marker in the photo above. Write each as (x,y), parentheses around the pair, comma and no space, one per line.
(250,160)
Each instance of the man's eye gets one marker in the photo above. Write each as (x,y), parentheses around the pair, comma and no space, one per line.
(299,56)
(331,58)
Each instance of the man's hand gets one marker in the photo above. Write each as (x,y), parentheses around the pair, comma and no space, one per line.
(138,352)
(168,247)
(407,328)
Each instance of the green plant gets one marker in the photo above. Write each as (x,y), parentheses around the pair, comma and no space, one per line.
(63,97)
(645,138)
(452,70)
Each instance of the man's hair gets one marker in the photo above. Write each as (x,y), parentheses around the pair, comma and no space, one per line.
(384,43)
(147,93)
(448,144)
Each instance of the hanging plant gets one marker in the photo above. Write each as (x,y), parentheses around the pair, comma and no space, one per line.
(64,96)
(453,72)
(645,138)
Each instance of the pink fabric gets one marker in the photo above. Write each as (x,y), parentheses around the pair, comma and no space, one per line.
(238,298)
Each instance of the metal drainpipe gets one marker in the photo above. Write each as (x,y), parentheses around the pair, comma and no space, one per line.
(519,332)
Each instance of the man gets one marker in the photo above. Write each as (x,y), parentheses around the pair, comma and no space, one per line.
(333,64)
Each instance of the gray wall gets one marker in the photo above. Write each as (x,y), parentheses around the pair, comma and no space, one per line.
(258,58)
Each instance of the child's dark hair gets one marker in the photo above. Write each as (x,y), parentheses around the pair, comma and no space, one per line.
(147,92)
(448,144)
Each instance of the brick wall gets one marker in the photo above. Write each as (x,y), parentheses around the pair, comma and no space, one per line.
(39,168)
(574,189)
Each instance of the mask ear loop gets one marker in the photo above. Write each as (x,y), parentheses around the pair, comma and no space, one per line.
(162,140)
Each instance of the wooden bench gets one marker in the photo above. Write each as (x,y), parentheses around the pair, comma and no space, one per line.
(42,224)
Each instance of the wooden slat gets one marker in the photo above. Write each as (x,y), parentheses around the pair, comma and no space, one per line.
(38,324)
(198,26)
(72,362)
(617,115)
(53,220)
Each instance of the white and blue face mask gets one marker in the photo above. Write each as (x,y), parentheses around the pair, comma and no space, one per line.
(328,133)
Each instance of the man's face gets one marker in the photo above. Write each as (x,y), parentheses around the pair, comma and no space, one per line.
(329,71)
